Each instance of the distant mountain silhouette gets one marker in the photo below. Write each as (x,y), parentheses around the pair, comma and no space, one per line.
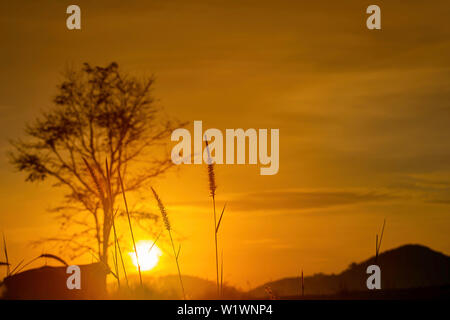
(168,287)
(408,266)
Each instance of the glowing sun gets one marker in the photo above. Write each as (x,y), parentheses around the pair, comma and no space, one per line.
(148,256)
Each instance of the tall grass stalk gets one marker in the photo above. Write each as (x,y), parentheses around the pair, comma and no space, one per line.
(113,215)
(101,196)
(120,254)
(131,228)
(165,217)
(303,284)
(212,192)
(115,258)
(378,243)
(221,275)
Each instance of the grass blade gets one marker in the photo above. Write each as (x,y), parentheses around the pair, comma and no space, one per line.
(52,256)
(376,248)
(167,224)
(178,252)
(12,272)
(5,250)
(46,256)
(154,242)
(220,219)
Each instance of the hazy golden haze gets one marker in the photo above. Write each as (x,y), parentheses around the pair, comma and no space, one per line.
(363,119)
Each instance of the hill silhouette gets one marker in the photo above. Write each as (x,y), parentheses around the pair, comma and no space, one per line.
(405,267)
(168,287)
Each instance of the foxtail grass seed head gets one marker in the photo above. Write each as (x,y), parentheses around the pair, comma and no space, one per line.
(212,180)
(162,209)
(211,175)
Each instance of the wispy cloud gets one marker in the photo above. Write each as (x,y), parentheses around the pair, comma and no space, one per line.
(297,199)
(302,199)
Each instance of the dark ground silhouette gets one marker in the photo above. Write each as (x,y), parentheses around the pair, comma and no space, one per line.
(407,272)
(405,267)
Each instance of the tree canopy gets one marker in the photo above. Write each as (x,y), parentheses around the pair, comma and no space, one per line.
(98,113)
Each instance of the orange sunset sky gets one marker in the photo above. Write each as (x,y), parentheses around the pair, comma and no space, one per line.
(363,116)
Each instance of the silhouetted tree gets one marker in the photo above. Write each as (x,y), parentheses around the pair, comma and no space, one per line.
(98,113)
